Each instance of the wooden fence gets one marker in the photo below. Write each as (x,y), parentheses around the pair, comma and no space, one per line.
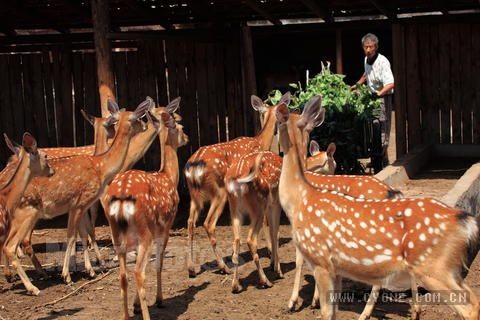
(437,78)
(43,91)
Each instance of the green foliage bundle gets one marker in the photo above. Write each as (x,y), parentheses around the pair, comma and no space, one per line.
(348,115)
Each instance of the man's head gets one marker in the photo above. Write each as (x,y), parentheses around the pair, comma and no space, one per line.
(370,45)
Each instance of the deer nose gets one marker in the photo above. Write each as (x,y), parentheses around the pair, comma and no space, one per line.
(51,171)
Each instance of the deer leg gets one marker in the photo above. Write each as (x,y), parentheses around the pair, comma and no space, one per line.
(372,300)
(296,284)
(192,221)
(122,260)
(325,283)
(74,217)
(274,225)
(161,245)
(268,238)
(447,283)
(142,260)
(255,226)
(236,226)
(82,230)
(93,210)
(337,290)
(28,249)
(216,209)
(19,230)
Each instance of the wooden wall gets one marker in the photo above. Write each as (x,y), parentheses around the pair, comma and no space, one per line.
(437,76)
(43,92)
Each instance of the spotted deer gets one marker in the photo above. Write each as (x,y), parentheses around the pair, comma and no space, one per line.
(77,183)
(141,207)
(256,193)
(390,242)
(205,172)
(31,163)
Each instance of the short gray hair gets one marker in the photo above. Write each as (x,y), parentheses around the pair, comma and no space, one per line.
(370,37)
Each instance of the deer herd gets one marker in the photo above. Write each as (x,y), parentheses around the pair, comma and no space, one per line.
(341,225)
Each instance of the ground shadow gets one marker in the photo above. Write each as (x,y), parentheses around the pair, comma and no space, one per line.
(174,307)
(54,314)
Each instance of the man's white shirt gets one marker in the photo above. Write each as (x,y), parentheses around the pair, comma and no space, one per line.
(378,74)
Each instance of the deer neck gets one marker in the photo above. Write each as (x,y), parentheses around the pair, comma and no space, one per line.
(292,182)
(14,188)
(111,162)
(265,137)
(138,147)
(169,162)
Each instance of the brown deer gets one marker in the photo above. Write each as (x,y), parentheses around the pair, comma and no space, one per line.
(141,207)
(78,182)
(205,172)
(256,193)
(31,163)
(388,242)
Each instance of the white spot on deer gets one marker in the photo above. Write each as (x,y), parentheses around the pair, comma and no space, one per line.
(380,216)
(373,230)
(411,245)
(437,216)
(309,209)
(367,262)
(369,191)
(408,212)
(307,233)
(362,243)
(443,226)
(357,215)
(369,248)
(382,258)
(378,247)
(363,225)
(430,230)
(338,234)
(316,230)
(300,217)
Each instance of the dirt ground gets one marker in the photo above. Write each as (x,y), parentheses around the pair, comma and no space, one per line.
(207,296)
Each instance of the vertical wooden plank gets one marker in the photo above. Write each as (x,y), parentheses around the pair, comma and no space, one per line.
(455,78)
(6,116)
(90,88)
(82,126)
(434,94)
(16,95)
(35,116)
(467,94)
(212,93)
(413,87)
(425,74)
(221,88)
(49,97)
(476,81)
(189,105)
(202,94)
(339,51)
(444,74)
(249,83)
(133,80)
(120,67)
(148,81)
(398,35)
(171,50)
(161,72)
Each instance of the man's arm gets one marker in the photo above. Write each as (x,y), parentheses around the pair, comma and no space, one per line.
(362,80)
(386,88)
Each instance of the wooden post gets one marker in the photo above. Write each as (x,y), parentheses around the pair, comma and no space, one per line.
(339,59)
(103,52)
(248,76)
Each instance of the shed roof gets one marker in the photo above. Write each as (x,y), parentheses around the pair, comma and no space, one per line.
(66,16)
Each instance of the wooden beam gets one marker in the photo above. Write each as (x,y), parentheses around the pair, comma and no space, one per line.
(253,5)
(321,12)
(249,81)
(339,51)
(383,9)
(103,52)
(143,11)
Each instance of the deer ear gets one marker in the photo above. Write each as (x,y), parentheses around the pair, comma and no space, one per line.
(112,106)
(314,148)
(142,108)
(15,148)
(88,117)
(173,105)
(29,143)
(286,98)
(313,114)
(151,102)
(331,149)
(282,113)
(257,104)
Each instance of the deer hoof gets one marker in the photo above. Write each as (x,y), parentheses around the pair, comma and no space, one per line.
(265,284)
(67,279)
(225,270)
(159,304)
(291,306)
(237,288)
(34,291)
(191,273)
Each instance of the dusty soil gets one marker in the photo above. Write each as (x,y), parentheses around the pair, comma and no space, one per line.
(208,295)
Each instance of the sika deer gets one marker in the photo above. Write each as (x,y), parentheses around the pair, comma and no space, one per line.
(387,242)
(78,182)
(31,163)
(141,208)
(205,172)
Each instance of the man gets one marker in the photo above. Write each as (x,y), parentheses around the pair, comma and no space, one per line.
(379,78)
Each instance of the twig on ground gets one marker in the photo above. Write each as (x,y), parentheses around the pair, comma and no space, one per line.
(109,272)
